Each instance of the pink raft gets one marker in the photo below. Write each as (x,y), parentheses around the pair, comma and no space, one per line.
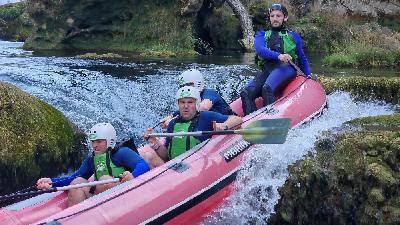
(181,191)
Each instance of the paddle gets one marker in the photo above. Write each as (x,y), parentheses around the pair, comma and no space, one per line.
(265,131)
(54,189)
(162,121)
(299,71)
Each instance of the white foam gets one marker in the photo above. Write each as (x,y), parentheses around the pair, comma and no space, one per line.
(265,169)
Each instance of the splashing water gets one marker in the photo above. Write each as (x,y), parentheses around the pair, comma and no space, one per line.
(265,168)
(133,96)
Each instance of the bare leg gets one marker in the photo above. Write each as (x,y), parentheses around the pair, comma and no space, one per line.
(152,159)
(103,187)
(77,195)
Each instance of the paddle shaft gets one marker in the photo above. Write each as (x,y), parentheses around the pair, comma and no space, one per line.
(195,133)
(162,121)
(299,71)
(54,189)
(265,131)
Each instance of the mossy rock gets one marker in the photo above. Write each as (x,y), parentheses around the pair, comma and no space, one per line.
(343,183)
(365,88)
(37,140)
(101,56)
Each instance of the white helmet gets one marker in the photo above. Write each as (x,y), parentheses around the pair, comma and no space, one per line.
(189,92)
(103,131)
(191,77)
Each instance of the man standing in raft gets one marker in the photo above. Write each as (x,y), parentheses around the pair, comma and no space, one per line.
(105,163)
(189,119)
(276,50)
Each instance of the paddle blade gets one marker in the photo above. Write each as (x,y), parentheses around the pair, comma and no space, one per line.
(266,131)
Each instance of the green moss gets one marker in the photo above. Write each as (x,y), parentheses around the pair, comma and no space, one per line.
(363,88)
(35,137)
(382,174)
(389,122)
(376,195)
(101,56)
(352,179)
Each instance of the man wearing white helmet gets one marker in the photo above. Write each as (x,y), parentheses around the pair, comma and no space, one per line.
(211,100)
(106,161)
(189,119)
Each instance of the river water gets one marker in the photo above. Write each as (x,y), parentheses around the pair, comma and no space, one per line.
(134,94)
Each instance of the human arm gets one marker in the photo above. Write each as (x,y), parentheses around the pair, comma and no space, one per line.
(126,157)
(156,145)
(231,122)
(165,121)
(216,121)
(83,171)
(303,62)
(44,183)
(206,105)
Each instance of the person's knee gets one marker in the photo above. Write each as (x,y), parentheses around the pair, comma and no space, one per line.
(105,177)
(103,187)
(152,159)
(79,180)
(150,156)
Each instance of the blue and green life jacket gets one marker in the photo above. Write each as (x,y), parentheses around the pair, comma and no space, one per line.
(281,42)
(179,145)
(103,164)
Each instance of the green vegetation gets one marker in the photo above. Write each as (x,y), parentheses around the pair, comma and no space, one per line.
(35,137)
(149,27)
(365,88)
(101,56)
(15,24)
(348,43)
(371,47)
(352,179)
(157,28)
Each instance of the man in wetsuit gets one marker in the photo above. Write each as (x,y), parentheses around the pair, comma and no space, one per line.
(277,49)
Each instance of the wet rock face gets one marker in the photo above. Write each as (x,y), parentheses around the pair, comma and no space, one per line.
(353,178)
(36,140)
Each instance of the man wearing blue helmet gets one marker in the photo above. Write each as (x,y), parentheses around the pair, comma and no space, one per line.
(276,49)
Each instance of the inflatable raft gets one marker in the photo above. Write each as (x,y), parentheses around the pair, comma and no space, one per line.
(183,190)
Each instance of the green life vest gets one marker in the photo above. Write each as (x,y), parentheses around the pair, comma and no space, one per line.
(103,165)
(179,145)
(289,46)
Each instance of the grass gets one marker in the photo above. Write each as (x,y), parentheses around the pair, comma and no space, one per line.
(361,55)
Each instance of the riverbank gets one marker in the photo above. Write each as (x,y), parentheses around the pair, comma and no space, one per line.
(160,29)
